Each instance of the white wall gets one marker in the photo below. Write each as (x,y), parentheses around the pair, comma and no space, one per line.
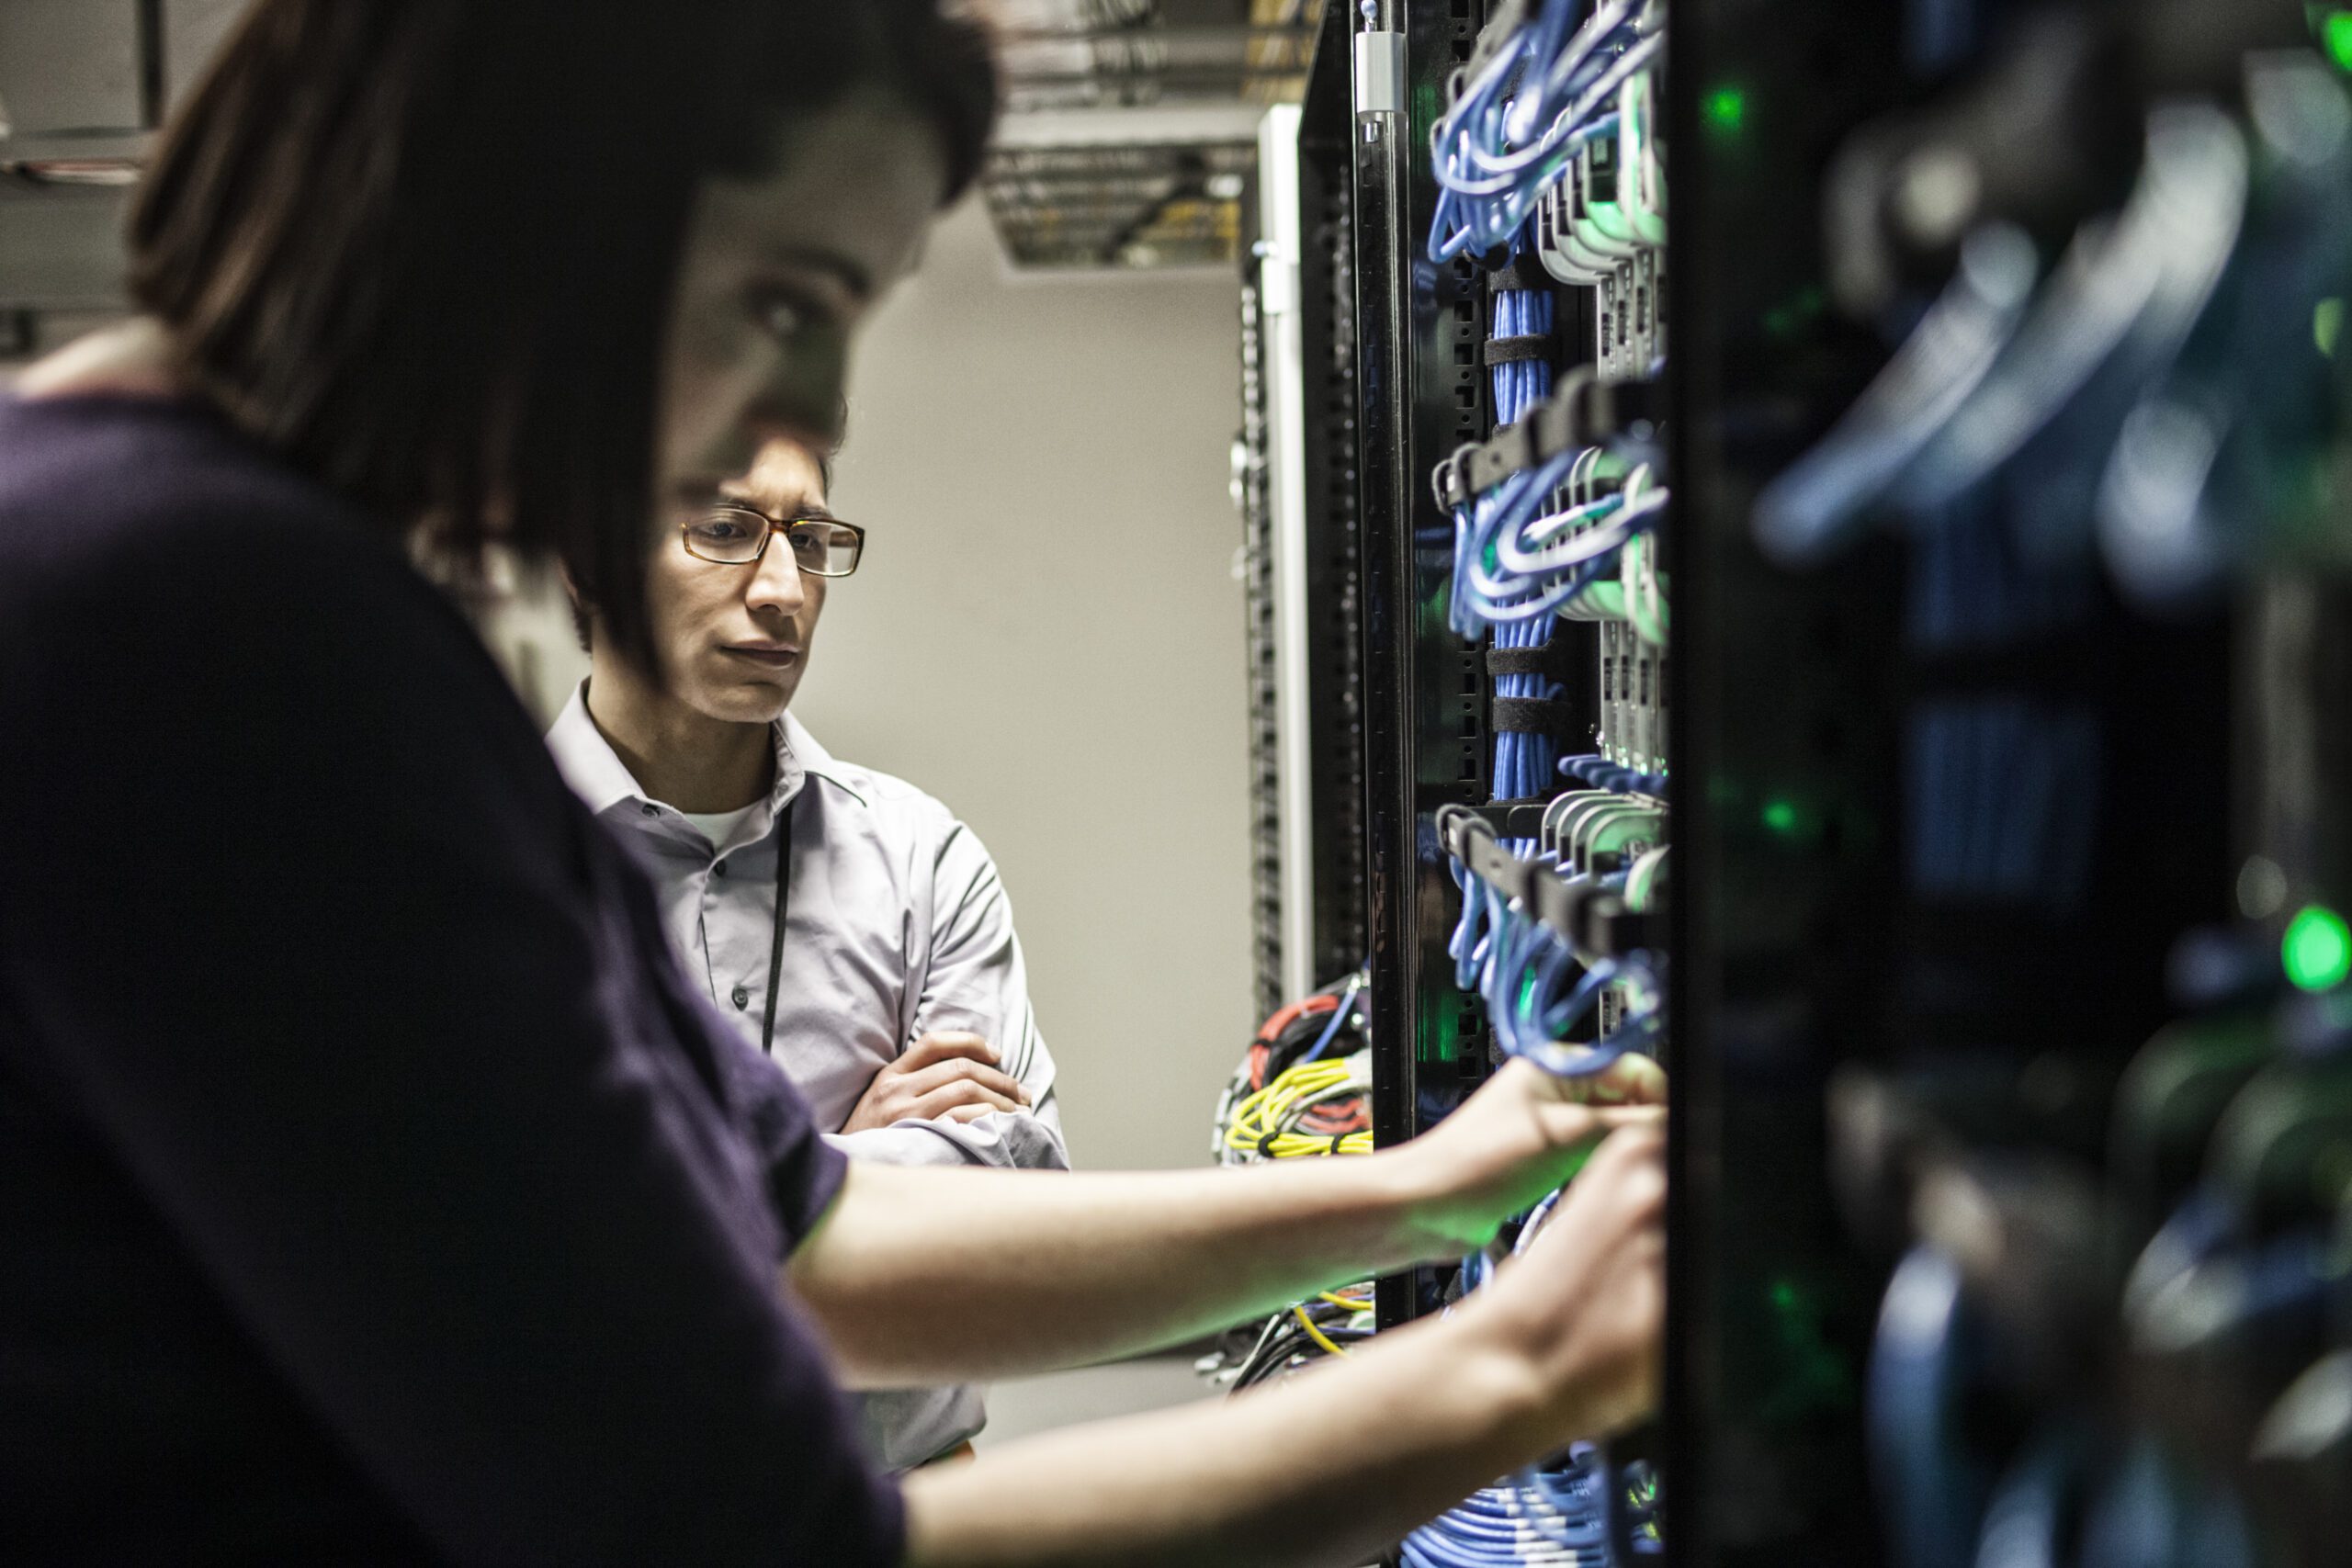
(1047,635)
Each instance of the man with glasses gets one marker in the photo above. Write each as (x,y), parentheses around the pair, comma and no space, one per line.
(842,920)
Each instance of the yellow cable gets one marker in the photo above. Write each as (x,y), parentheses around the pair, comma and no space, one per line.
(1314,1332)
(1256,1121)
(1299,1146)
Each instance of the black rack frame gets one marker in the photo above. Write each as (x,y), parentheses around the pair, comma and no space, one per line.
(1422,395)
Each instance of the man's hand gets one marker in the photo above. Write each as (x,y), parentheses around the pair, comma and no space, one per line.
(1523,1134)
(950,1076)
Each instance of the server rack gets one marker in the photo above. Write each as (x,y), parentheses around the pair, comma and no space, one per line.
(1977,835)
(1297,485)
(1421,396)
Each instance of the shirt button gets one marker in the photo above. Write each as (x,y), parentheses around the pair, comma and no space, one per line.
(651,811)
(743,999)
(719,868)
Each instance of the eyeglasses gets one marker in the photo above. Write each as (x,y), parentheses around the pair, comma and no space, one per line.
(733,533)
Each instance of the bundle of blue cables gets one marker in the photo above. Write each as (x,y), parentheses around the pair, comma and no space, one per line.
(1566,1514)
(1576,1510)
(1523,759)
(1536,991)
(1514,562)
(1530,108)
(1599,773)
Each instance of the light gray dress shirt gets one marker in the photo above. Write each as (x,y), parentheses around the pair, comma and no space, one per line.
(896,927)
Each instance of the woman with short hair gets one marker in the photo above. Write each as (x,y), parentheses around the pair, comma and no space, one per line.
(372,1186)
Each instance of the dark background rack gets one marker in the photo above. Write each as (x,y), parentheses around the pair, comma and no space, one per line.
(1809,955)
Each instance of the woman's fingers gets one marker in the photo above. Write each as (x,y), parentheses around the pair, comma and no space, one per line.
(1631,1079)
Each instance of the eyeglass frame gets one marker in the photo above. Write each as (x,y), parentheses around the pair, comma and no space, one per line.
(775,525)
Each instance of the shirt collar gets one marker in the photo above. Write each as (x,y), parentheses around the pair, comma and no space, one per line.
(586,759)
(598,777)
(798,749)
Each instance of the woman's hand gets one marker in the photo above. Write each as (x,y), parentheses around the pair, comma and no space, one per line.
(1585,1300)
(1523,1134)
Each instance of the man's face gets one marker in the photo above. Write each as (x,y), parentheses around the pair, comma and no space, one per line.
(734,640)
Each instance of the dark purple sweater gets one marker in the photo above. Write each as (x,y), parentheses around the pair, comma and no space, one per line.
(371,1187)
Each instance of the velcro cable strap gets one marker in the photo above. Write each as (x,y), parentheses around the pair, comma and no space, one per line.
(1513,350)
(1554,658)
(1524,274)
(1531,715)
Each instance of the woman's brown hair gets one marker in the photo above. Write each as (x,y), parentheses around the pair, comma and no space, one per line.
(425,249)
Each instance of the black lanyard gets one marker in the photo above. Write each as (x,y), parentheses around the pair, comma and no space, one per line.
(783,904)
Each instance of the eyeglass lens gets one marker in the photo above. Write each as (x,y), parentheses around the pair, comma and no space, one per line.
(732,536)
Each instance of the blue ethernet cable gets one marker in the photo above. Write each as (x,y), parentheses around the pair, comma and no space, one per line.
(1572,1512)
(1541,96)
(1523,760)
(1599,773)
(1340,1016)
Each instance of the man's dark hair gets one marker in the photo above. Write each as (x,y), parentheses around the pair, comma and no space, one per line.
(425,249)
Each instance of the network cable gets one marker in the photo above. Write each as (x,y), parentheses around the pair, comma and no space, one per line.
(1576,1510)
(1305,1033)
(1539,100)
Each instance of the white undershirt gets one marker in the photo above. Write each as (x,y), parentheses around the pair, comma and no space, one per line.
(719,826)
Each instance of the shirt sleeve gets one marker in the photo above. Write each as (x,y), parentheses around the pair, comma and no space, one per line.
(975,980)
(306,929)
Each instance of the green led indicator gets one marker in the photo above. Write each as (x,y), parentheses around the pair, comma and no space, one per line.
(2317,950)
(1788,316)
(1725,109)
(2328,325)
(2335,37)
(1781,816)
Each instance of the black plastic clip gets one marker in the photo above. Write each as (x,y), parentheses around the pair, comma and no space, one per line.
(1514,819)
(1502,454)
(1587,918)
(1576,415)
(1449,482)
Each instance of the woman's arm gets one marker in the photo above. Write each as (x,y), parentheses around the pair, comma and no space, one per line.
(1329,1466)
(941,1276)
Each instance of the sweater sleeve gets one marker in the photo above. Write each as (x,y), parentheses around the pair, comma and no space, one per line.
(301,923)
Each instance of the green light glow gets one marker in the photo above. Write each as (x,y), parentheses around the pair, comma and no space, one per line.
(1725,109)
(1781,815)
(2317,949)
(2328,325)
(2335,37)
